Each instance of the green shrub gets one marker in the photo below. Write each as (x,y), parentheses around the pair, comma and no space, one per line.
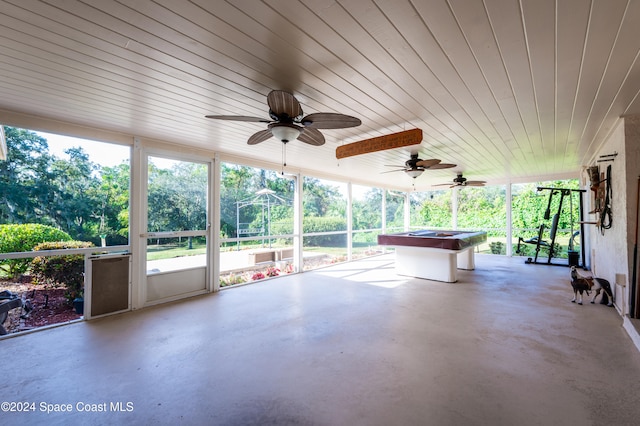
(526,250)
(232,279)
(557,251)
(325,224)
(529,250)
(20,238)
(370,238)
(497,247)
(282,227)
(67,270)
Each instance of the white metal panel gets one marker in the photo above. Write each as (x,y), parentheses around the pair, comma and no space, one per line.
(175,284)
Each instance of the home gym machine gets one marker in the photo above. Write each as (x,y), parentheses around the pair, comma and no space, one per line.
(573,256)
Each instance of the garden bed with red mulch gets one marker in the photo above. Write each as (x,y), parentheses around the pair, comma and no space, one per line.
(50,306)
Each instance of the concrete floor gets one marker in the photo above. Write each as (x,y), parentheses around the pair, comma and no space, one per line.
(352,344)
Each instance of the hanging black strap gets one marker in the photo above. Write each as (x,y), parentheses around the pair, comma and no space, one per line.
(606,218)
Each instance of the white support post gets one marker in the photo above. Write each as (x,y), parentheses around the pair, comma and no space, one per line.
(298,246)
(137,223)
(214,223)
(509,206)
(349,220)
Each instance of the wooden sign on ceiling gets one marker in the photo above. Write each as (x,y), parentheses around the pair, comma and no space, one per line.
(380,143)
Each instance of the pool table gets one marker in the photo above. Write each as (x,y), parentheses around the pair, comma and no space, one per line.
(433,254)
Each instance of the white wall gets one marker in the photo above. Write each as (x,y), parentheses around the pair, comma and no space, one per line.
(612,249)
(632,161)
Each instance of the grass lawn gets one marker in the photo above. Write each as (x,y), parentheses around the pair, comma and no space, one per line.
(157,252)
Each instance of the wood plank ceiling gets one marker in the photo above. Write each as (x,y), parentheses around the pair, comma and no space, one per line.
(506,89)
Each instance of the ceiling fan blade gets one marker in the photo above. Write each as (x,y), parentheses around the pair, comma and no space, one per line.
(428,164)
(239,118)
(442,166)
(475,183)
(329,120)
(443,184)
(311,136)
(260,136)
(397,170)
(281,103)
(380,143)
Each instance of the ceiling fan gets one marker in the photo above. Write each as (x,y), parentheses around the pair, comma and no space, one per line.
(461,181)
(415,166)
(287,123)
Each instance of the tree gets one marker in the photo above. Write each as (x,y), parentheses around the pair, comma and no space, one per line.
(367,213)
(240,184)
(177,198)
(321,199)
(435,210)
(73,185)
(24,178)
(236,184)
(395,210)
(482,208)
(112,203)
(159,193)
(72,194)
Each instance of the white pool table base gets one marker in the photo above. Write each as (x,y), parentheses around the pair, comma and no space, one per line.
(433,264)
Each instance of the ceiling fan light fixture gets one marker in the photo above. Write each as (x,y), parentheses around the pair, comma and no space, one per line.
(285,132)
(414,173)
(287,122)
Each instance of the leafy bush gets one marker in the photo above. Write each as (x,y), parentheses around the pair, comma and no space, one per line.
(526,250)
(67,270)
(557,251)
(232,279)
(529,250)
(370,238)
(497,247)
(257,276)
(288,269)
(272,272)
(325,224)
(20,238)
(282,227)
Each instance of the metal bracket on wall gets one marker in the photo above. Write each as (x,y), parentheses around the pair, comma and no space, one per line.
(608,157)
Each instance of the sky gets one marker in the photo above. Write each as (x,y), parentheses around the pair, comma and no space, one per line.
(105,154)
(102,153)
